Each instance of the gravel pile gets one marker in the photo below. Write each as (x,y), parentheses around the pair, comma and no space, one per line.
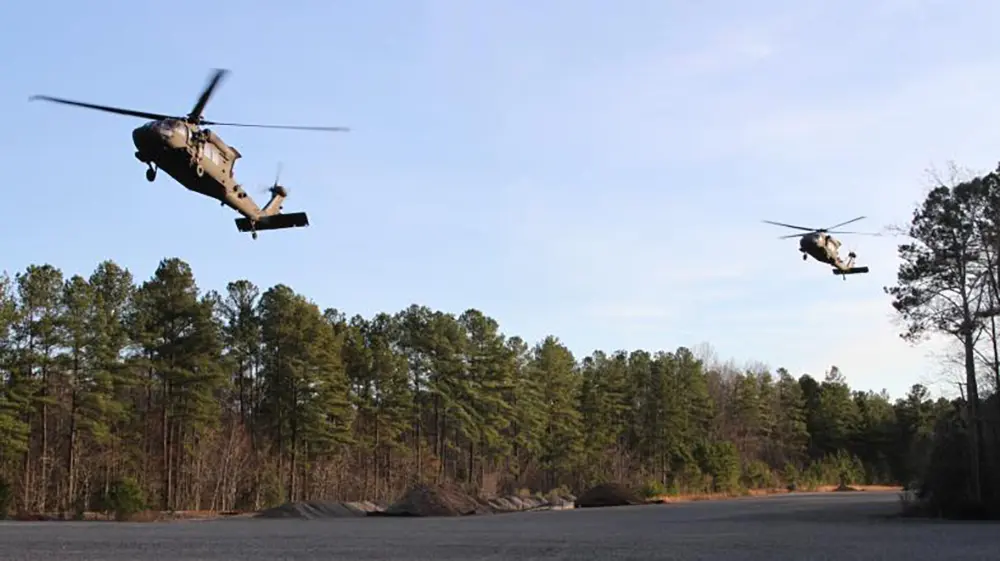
(608,494)
(422,500)
(312,510)
(435,500)
(515,503)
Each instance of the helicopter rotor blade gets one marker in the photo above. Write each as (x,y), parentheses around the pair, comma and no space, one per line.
(277,177)
(293,127)
(854,233)
(791,226)
(105,108)
(843,224)
(790,236)
(277,174)
(199,107)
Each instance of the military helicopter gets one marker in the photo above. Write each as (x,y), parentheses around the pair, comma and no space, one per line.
(201,161)
(821,246)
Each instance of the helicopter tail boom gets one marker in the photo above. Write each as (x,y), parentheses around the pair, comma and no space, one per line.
(273,206)
(273,222)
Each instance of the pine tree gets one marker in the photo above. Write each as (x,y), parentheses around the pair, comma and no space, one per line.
(14,431)
(39,336)
(554,367)
(251,397)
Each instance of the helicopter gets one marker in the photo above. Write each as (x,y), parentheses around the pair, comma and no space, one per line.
(198,159)
(821,246)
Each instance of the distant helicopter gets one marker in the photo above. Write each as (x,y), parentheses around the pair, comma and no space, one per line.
(821,246)
(201,161)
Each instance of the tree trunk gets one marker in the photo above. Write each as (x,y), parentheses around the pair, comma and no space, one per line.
(472,450)
(71,456)
(44,468)
(165,445)
(375,459)
(972,404)
(26,474)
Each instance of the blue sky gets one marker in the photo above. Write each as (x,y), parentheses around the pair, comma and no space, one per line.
(592,169)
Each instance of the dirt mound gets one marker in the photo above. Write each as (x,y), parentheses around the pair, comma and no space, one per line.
(608,494)
(435,500)
(312,510)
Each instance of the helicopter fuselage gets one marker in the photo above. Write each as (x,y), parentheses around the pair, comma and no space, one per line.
(820,247)
(200,161)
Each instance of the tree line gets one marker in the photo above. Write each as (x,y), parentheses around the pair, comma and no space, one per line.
(948,284)
(246,398)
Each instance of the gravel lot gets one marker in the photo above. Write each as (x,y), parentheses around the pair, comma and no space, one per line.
(841,526)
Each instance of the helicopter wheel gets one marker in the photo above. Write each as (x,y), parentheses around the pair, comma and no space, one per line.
(150,174)
(804,257)
(253,235)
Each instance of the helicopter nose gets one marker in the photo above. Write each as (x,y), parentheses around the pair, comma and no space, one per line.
(143,138)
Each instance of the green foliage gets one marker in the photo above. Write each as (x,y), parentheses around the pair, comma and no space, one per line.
(652,489)
(792,476)
(757,475)
(125,498)
(161,395)
(721,461)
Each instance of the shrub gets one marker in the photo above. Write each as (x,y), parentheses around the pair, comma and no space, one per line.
(757,475)
(792,477)
(652,488)
(557,493)
(125,498)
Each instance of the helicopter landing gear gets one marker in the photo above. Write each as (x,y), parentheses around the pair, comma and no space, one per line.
(253,235)
(804,257)
(151,173)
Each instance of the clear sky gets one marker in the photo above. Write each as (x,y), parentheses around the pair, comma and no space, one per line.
(596,170)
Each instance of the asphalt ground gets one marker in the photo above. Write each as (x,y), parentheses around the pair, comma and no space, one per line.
(850,526)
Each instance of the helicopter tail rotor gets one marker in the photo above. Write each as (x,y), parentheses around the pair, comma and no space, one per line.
(278,194)
(276,186)
(277,175)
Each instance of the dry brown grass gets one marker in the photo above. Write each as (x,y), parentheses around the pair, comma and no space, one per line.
(691,497)
(143,516)
(205,514)
(831,488)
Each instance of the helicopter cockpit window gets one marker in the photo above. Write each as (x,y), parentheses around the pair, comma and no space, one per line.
(168,127)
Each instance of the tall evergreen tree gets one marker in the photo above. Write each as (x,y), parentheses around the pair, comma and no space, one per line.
(251,396)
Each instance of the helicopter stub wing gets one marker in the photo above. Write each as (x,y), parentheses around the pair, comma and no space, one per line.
(850,271)
(274,222)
